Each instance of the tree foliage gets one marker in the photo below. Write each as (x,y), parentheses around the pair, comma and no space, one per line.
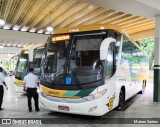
(147,45)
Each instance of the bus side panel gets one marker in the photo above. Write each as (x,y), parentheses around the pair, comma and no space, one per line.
(110,98)
(123,75)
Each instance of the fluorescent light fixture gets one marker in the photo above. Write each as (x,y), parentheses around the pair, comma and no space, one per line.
(7,27)
(40,31)
(47,32)
(24,46)
(14,45)
(19,45)
(33,30)
(2,22)
(16,27)
(25,28)
(49,29)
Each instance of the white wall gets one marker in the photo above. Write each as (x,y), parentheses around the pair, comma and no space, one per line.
(22,37)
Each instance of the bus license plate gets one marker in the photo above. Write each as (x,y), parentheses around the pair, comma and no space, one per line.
(66,108)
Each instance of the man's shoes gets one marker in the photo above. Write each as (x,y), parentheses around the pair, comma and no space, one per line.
(30,110)
(37,110)
(1,109)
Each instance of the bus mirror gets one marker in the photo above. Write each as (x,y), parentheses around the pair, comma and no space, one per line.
(31,50)
(104,47)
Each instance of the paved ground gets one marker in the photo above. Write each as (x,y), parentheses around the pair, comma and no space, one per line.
(16,107)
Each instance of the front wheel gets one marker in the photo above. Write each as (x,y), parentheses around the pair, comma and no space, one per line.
(121,101)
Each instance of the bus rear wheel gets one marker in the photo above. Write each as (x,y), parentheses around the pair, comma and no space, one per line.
(121,100)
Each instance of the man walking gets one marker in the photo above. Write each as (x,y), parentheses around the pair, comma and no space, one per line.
(31,83)
(2,82)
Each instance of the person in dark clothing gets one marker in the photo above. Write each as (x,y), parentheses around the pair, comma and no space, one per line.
(2,82)
(31,83)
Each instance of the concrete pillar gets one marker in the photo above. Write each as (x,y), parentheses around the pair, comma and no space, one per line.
(156,92)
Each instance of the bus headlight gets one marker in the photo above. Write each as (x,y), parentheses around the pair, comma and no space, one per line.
(95,96)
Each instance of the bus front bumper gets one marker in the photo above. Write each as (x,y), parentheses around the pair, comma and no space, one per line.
(95,107)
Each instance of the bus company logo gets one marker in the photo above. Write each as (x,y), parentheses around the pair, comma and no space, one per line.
(54,93)
(110,103)
(6,121)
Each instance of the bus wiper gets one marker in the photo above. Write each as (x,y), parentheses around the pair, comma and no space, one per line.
(75,78)
(69,73)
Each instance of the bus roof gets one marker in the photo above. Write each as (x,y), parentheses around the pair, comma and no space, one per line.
(33,46)
(87,28)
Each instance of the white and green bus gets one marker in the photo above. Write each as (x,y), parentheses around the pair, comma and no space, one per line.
(91,70)
(30,57)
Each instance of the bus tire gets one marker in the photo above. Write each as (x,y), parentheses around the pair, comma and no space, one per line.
(143,87)
(120,106)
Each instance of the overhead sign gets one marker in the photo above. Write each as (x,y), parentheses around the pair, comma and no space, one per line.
(60,38)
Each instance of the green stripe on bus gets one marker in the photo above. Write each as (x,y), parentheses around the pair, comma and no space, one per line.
(86,92)
(71,93)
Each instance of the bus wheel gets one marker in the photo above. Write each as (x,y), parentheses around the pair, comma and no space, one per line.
(143,87)
(121,100)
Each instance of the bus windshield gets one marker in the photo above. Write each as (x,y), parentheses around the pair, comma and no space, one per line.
(21,68)
(74,62)
(54,59)
(85,59)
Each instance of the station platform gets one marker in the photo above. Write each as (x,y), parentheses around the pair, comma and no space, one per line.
(140,106)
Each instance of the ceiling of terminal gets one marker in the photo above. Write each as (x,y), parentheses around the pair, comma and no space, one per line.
(33,16)
(36,15)
(144,8)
